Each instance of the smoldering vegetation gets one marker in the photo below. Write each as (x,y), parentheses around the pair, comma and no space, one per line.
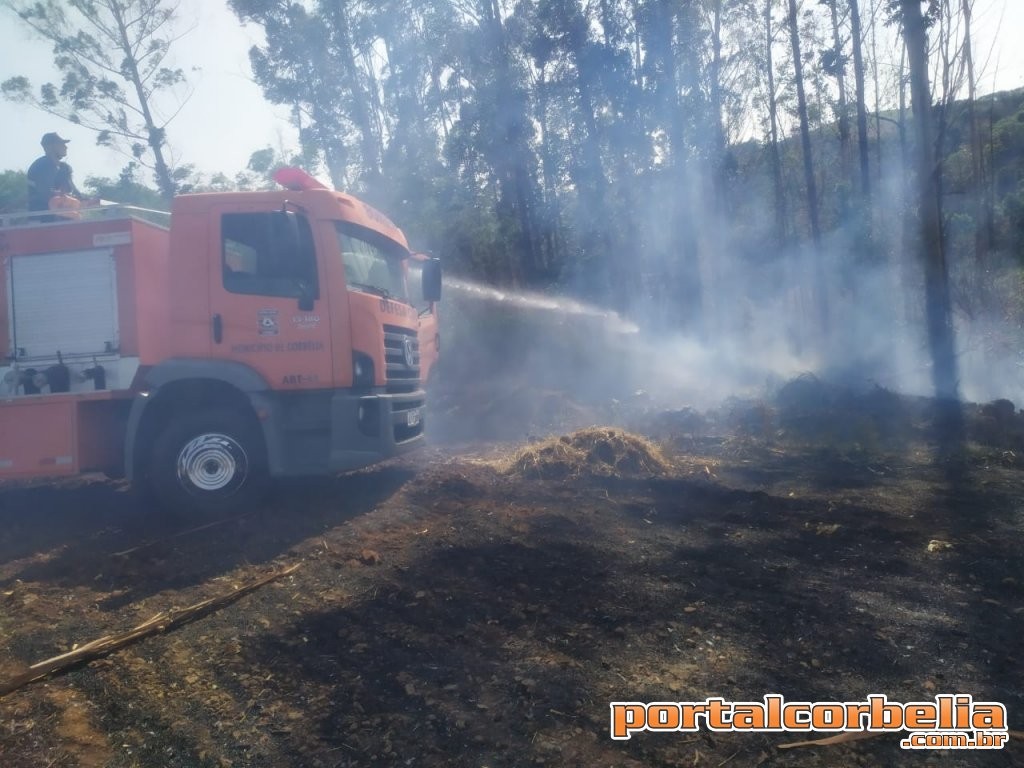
(712,308)
(534,367)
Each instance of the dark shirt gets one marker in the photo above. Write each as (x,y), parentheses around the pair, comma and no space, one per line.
(48,177)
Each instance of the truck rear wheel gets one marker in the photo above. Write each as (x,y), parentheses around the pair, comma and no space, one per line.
(211,461)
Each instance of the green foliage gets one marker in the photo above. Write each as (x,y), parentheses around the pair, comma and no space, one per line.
(125,189)
(1012,216)
(13,191)
(1006,148)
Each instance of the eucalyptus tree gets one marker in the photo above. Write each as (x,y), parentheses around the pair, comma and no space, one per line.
(938,306)
(810,180)
(574,69)
(857,42)
(407,45)
(309,62)
(774,130)
(982,211)
(834,62)
(731,71)
(669,40)
(495,122)
(820,291)
(113,57)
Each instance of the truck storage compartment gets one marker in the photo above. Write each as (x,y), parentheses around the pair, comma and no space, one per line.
(63,434)
(63,302)
(69,304)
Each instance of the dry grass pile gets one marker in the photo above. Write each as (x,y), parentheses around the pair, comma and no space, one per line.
(597,451)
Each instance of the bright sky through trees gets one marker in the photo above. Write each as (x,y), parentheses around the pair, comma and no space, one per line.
(227,119)
(224,121)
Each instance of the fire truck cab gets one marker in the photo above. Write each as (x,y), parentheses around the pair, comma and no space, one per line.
(248,335)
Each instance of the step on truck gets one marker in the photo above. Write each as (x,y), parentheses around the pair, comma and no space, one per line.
(244,336)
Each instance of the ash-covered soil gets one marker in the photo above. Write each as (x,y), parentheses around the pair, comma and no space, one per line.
(480,604)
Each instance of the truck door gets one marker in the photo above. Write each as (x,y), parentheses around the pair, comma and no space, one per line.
(266,299)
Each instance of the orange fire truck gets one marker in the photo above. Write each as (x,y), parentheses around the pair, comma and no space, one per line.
(249,335)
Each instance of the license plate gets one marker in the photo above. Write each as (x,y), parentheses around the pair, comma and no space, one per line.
(413,418)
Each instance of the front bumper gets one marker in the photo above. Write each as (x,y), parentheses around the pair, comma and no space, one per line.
(324,432)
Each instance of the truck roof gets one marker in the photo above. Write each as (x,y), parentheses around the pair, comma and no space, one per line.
(301,190)
(107,212)
(321,203)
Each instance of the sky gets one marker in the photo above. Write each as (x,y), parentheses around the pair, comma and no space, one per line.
(226,119)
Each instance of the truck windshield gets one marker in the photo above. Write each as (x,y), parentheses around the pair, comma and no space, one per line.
(373,263)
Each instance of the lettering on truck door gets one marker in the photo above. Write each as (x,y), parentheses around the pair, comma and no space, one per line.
(268,308)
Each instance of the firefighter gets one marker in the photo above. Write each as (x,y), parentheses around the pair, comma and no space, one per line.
(50,176)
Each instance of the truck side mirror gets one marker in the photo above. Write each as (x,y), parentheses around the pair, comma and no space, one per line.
(432,280)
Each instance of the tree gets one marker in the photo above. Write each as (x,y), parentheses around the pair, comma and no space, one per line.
(805,130)
(301,66)
(507,134)
(773,123)
(13,191)
(125,189)
(112,56)
(670,46)
(862,111)
(809,179)
(834,62)
(982,212)
(938,306)
(569,104)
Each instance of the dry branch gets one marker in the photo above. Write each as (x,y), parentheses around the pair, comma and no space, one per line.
(178,535)
(161,622)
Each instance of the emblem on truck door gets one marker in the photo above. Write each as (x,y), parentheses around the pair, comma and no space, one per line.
(408,353)
(268,322)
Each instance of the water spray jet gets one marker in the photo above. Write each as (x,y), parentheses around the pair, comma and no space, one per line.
(539,301)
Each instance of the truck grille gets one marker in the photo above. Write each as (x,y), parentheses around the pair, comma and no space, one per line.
(401,377)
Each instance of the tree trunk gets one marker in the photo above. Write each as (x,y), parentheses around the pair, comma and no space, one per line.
(981,244)
(773,120)
(862,112)
(717,130)
(594,192)
(878,95)
(937,297)
(840,73)
(548,163)
(155,136)
(812,186)
(688,287)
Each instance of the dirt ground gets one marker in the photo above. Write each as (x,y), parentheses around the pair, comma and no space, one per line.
(480,604)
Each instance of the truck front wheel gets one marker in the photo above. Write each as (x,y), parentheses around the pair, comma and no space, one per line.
(211,461)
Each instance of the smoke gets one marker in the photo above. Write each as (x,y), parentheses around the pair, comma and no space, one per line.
(519,365)
(712,308)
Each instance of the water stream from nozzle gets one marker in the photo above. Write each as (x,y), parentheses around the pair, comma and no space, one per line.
(539,301)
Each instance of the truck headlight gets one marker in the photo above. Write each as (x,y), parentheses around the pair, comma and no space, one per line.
(362,371)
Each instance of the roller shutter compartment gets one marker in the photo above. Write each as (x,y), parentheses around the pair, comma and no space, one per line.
(63,302)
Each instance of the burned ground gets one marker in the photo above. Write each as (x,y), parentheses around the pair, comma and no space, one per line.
(481,604)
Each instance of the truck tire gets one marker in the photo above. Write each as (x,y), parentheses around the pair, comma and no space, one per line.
(209,462)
